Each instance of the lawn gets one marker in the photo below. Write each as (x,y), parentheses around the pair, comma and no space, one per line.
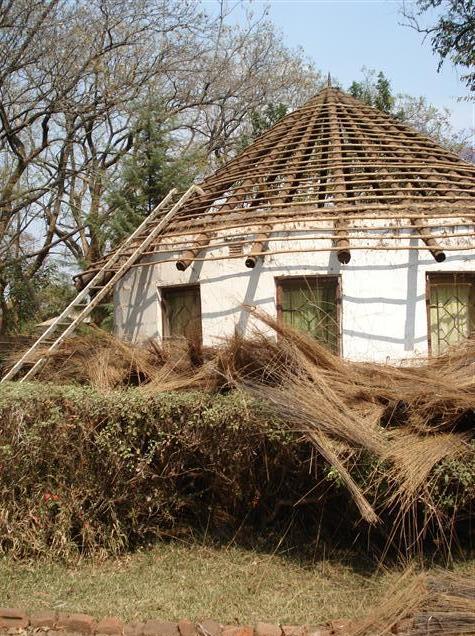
(173,580)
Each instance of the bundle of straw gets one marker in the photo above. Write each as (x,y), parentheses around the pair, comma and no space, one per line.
(418,605)
(406,419)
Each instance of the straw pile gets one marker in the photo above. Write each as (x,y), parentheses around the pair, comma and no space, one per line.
(423,604)
(408,420)
(98,359)
(383,430)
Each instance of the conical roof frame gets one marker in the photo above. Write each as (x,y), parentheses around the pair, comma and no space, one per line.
(337,151)
(336,158)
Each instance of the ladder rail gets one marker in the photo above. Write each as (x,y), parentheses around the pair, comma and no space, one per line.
(114,257)
(104,289)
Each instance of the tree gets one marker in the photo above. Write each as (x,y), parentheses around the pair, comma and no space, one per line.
(73,76)
(147,173)
(260,120)
(29,300)
(451,32)
(375,90)
(433,122)
(68,73)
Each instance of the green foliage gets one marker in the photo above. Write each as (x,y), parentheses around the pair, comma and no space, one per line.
(85,473)
(452,33)
(268,117)
(148,173)
(260,121)
(31,299)
(374,90)
(455,482)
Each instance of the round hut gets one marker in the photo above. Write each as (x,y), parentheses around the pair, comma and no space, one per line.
(340,220)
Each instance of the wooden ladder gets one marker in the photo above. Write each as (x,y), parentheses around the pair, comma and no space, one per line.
(82,305)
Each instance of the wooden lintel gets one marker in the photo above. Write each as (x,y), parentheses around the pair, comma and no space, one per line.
(434,247)
(258,246)
(189,255)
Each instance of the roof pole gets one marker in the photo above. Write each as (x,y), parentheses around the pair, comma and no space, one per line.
(258,246)
(188,256)
(341,227)
(435,249)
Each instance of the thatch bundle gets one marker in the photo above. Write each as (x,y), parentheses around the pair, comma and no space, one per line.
(423,604)
(399,423)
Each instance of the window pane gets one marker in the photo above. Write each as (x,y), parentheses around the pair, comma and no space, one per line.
(309,304)
(451,310)
(182,312)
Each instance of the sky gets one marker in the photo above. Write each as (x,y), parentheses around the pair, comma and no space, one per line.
(342,36)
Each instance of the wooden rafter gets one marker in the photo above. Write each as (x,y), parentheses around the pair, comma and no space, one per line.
(258,246)
(340,185)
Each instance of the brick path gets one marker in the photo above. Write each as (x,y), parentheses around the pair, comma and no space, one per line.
(16,621)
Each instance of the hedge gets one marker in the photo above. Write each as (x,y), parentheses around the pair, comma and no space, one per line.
(84,473)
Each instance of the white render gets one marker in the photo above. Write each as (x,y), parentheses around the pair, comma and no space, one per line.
(383,306)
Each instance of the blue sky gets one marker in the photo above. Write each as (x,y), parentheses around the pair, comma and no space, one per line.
(342,36)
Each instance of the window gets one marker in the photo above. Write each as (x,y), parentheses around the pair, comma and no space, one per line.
(451,309)
(181,311)
(311,304)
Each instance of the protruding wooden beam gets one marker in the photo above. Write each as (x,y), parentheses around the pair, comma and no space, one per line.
(258,246)
(81,280)
(189,255)
(343,254)
(435,249)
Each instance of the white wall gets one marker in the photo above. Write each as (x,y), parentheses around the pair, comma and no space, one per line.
(383,295)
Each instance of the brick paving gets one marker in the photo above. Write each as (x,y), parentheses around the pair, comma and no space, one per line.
(19,622)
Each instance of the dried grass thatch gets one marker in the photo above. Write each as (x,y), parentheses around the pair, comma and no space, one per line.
(101,360)
(401,420)
(407,418)
(423,604)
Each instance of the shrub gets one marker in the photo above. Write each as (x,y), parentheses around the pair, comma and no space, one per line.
(84,473)
(88,473)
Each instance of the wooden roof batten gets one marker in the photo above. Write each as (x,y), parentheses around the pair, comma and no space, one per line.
(334,159)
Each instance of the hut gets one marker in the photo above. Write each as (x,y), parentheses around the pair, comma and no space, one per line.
(340,220)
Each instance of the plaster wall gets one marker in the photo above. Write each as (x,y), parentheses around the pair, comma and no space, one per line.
(383,310)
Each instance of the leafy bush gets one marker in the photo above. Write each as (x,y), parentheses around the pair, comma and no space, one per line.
(84,473)
(93,474)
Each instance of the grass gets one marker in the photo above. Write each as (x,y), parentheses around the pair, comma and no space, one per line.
(173,581)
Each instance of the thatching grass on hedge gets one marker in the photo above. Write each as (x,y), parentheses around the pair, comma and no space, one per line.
(83,473)
(328,399)
(88,473)
(404,422)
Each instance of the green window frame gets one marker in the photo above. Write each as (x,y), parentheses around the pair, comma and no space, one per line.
(181,312)
(450,309)
(311,304)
